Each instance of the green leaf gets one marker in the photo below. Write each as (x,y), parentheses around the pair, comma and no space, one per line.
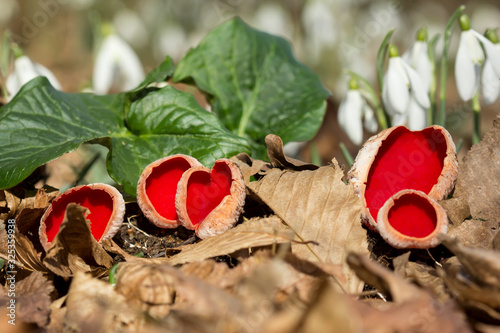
(161,73)
(256,84)
(42,123)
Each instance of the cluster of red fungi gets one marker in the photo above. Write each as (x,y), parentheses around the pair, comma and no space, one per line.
(172,191)
(399,175)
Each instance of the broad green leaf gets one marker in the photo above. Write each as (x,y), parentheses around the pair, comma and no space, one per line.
(257,85)
(42,123)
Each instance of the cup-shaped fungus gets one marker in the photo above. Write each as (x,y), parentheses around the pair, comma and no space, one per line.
(106,210)
(397,159)
(411,219)
(157,187)
(210,201)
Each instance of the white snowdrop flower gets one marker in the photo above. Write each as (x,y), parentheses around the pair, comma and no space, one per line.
(490,78)
(351,110)
(469,59)
(116,66)
(418,58)
(24,71)
(403,91)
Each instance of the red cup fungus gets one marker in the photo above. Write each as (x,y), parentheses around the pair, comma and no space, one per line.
(397,159)
(106,211)
(411,219)
(157,187)
(210,201)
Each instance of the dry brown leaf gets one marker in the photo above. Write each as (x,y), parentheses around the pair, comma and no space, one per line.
(74,249)
(381,278)
(423,275)
(413,310)
(57,314)
(32,296)
(249,166)
(3,238)
(478,183)
(330,311)
(320,208)
(476,233)
(482,265)
(481,303)
(94,306)
(253,233)
(27,255)
(148,287)
(9,203)
(188,300)
(278,159)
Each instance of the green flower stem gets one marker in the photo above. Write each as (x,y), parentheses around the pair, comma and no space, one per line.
(476,107)
(431,112)
(372,97)
(441,117)
(459,144)
(347,154)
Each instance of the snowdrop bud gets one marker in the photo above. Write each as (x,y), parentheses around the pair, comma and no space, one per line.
(350,113)
(417,57)
(470,56)
(24,71)
(490,79)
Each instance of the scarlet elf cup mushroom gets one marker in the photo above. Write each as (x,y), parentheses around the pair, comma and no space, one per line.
(398,159)
(210,201)
(157,187)
(106,210)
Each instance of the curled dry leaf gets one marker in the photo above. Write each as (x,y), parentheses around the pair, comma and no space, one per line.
(253,233)
(412,309)
(323,212)
(424,276)
(381,278)
(278,159)
(248,166)
(482,265)
(478,183)
(482,303)
(32,296)
(74,249)
(148,287)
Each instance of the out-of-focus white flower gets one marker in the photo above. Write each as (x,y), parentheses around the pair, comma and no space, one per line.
(404,92)
(130,25)
(490,79)
(24,71)
(272,18)
(320,27)
(418,58)
(351,110)
(116,66)
(470,57)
